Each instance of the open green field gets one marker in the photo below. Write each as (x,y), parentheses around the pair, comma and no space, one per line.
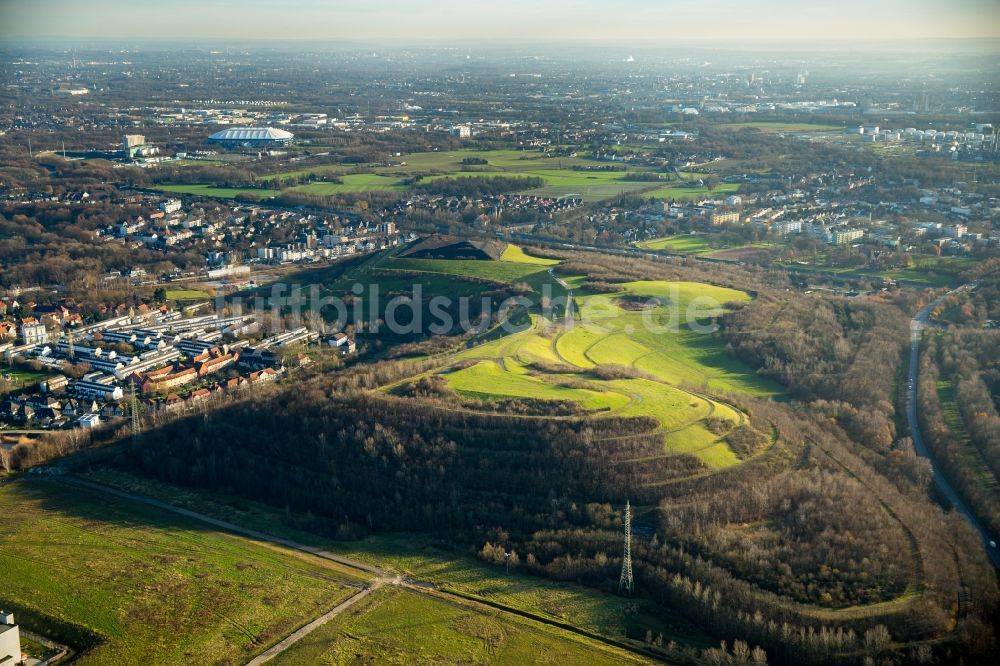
(186,294)
(563,176)
(516,254)
(213,191)
(21,377)
(153,586)
(352,184)
(682,243)
(585,608)
(681,193)
(778,126)
(925,272)
(404,627)
(507,161)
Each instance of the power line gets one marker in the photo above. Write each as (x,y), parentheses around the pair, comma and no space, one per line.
(625,583)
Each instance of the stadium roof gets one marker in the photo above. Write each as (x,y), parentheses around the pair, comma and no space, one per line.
(251,134)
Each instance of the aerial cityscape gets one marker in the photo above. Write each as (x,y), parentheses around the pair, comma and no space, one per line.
(529,333)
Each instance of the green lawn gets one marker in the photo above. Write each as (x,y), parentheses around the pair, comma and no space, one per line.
(683,243)
(213,191)
(13,379)
(487,378)
(394,626)
(517,255)
(155,587)
(354,183)
(679,192)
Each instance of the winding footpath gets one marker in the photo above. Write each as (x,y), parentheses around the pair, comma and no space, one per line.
(917,326)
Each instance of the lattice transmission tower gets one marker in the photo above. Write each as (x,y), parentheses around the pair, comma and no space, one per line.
(625,583)
(133,408)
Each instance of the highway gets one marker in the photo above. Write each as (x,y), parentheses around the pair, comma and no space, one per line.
(917,326)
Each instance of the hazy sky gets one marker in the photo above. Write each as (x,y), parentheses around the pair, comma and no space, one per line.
(535,20)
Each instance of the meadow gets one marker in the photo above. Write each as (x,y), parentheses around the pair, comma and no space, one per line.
(353,183)
(186,294)
(681,243)
(582,607)
(563,176)
(400,626)
(780,126)
(213,191)
(151,587)
(683,193)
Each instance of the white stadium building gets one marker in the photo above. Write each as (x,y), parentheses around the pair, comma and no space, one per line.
(252,137)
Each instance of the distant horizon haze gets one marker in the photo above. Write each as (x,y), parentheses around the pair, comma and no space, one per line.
(643,23)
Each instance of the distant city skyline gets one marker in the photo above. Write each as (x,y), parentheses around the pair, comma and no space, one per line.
(535,20)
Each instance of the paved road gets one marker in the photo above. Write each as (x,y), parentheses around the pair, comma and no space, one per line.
(917,326)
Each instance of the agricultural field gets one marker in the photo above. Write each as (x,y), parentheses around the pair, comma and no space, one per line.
(404,627)
(147,586)
(648,330)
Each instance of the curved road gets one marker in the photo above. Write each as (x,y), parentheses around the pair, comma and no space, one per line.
(917,326)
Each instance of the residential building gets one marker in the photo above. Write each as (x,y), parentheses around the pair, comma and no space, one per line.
(725,218)
(33,332)
(10,640)
(845,236)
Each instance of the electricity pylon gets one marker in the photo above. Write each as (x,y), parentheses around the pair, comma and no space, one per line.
(133,408)
(625,583)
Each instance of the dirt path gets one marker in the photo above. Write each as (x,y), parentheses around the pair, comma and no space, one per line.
(296,636)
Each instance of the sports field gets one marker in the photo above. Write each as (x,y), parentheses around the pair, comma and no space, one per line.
(151,587)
